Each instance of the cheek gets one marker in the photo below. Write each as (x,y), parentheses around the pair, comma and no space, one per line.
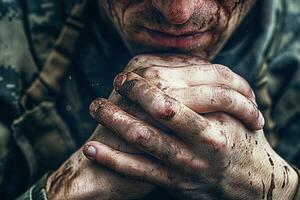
(115,10)
(234,7)
(231,5)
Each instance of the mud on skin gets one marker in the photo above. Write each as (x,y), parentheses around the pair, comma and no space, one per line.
(220,18)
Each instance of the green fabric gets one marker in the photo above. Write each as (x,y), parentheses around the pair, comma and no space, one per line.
(37,191)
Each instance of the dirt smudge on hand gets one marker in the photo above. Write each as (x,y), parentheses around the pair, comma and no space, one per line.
(264,189)
(271,189)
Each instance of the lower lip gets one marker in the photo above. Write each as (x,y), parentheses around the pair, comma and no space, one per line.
(181,41)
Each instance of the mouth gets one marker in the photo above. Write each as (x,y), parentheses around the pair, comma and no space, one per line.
(177,39)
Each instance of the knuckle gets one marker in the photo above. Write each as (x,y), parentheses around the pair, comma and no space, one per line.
(224,121)
(138,134)
(131,169)
(223,117)
(217,141)
(224,95)
(197,165)
(218,144)
(223,71)
(165,109)
(139,61)
(149,72)
(135,170)
(117,167)
(112,163)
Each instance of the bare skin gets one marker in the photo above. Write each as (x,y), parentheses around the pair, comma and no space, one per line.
(214,19)
(97,182)
(178,117)
(206,158)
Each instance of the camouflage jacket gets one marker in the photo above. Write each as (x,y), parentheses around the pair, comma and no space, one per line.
(38,137)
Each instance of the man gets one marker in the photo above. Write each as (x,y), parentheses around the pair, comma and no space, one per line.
(176,124)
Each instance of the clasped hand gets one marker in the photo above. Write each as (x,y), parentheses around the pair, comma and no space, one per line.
(195,129)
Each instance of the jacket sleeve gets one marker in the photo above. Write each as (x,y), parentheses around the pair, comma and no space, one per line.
(37,191)
(13,166)
(284,84)
(4,152)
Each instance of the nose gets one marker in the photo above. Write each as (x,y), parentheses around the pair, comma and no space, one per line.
(177,11)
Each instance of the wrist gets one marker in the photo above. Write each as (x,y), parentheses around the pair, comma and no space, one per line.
(279,178)
(37,191)
(55,187)
(289,183)
(62,183)
(272,178)
(79,178)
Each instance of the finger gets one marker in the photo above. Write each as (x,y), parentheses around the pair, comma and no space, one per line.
(167,110)
(131,165)
(216,98)
(196,75)
(164,147)
(104,135)
(166,60)
(138,112)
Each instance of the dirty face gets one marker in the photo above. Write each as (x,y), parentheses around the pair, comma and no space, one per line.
(199,27)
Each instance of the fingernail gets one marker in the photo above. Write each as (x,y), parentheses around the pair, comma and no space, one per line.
(119,80)
(90,151)
(261,120)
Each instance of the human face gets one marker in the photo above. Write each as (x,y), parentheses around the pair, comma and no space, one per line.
(199,27)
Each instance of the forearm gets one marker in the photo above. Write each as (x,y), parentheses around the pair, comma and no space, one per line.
(282,182)
(79,178)
(290,185)
(61,184)
(72,180)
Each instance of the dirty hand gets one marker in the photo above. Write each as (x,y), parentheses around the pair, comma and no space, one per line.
(196,156)
(201,86)
(78,178)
